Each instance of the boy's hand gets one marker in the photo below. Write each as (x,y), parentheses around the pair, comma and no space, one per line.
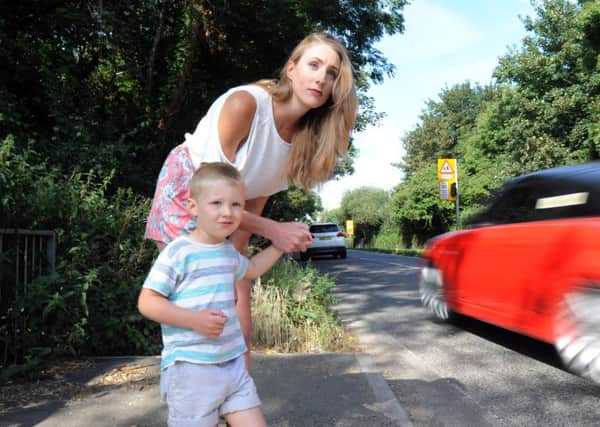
(210,323)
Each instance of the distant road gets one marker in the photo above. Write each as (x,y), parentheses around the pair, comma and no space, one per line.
(465,374)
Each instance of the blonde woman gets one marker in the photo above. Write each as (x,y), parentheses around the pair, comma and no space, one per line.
(275,132)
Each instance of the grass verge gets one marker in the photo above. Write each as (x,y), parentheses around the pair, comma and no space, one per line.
(292,312)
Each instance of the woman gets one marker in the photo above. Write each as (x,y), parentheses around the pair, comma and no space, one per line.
(275,132)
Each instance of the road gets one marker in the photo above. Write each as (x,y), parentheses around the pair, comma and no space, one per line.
(462,374)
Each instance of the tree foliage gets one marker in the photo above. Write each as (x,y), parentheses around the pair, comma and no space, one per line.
(335,215)
(443,124)
(88,305)
(293,205)
(542,111)
(93,95)
(555,91)
(114,86)
(367,207)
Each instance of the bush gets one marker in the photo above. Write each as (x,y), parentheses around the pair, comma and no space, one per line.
(390,240)
(291,311)
(88,306)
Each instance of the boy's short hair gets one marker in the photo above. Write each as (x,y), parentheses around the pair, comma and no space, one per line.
(211,172)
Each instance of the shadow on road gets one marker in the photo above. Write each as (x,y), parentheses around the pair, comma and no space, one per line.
(397,287)
(522,344)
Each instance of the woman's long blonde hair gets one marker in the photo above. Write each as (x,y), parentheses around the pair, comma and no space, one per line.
(323,133)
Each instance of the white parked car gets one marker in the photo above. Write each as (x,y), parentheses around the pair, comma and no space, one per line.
(328,238)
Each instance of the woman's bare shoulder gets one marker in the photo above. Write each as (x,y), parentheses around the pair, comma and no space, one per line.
(241,105)
(235,121)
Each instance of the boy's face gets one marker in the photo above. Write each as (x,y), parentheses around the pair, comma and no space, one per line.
(218,210)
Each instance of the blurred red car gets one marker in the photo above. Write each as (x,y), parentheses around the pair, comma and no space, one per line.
(530,263)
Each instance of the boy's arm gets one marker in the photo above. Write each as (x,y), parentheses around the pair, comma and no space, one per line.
(155,306)
(262,262)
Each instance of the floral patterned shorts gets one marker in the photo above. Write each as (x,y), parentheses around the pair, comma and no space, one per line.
(169,216)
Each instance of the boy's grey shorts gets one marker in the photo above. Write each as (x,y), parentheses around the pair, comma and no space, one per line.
(198,394)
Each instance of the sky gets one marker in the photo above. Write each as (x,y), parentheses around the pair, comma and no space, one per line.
(445,42)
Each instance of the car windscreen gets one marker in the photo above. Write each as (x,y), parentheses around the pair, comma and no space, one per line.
(539,200)
(324,228)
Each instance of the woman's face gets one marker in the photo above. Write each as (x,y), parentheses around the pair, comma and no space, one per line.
(314,74)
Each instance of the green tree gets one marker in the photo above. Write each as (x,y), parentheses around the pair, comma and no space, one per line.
(444,124)
(542,111)
(446,131)
(367,207)
(334,215)
(293,205)
(114,86)
(556,88)
(417,209)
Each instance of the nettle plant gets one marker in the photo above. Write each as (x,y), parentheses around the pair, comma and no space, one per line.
(88,305)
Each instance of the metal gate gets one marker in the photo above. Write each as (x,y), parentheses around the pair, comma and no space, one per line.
(24,255)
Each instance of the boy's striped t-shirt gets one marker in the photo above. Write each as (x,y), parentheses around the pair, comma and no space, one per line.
(199,276)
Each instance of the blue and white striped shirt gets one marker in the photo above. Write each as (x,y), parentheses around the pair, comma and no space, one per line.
(199,276)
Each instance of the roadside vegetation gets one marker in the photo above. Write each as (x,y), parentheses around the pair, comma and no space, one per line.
(94,95)
(87,307)
(541,110)
(291,311)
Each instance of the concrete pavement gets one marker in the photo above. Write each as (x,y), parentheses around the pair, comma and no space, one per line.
(303,390)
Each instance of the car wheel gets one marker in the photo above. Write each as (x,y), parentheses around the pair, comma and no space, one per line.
(343,254)
(577,330)
(303,256)
(432,293)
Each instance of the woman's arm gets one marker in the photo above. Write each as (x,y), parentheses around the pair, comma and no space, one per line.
(235,121)
(287,236)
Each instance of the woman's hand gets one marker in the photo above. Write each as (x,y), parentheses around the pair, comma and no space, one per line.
(287,236)
(290,236)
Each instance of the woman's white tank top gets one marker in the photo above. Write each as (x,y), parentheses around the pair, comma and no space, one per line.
(261,160)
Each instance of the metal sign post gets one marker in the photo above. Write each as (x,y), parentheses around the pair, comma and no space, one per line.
(457,198)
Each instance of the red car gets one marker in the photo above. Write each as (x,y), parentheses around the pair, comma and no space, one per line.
(530,263)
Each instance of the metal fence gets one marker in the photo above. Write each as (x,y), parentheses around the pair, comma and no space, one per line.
(24,255)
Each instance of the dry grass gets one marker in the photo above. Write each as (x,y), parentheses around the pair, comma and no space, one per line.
(274,331)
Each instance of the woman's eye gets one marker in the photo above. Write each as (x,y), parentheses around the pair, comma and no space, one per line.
(313,65)
(332,74)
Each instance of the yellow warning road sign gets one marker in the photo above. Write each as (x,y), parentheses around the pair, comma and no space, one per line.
(446,169)
(350,227)
(448,178)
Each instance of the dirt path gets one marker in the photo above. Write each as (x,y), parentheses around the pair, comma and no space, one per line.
(75,380)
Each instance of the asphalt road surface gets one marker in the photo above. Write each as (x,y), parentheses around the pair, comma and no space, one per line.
(463,374)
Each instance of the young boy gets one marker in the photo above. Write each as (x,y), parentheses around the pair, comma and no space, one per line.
(190,291)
